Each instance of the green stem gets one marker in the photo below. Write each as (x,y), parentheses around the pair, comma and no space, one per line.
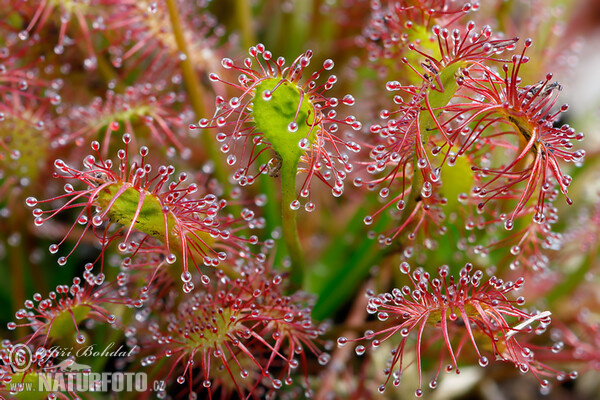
(415,193)
(316,19)
(283,39)
(194,88)
(290,226)
(244,20)
(267,187)
(190,79)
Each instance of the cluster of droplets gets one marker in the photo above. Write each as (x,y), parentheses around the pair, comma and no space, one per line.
(186,223)
(529,245)
(43,17)
(140,107)
(452,310)
(243,326)
(392,26)
(530,113)
(152,44)
(64,309)
(323,151)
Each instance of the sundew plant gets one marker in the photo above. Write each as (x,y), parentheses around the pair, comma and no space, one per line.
(269,199)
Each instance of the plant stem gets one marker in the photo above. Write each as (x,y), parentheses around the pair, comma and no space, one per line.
(316,20)
(194,88)
(190,79)
(290,226)
(270,209)
(244,20)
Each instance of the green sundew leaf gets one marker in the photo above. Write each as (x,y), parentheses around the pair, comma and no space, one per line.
(440,96)
(456,180)
(64,324)
(422,35)
(448,78)
(273,116)
(219,334)
(31,381)
(151,218)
